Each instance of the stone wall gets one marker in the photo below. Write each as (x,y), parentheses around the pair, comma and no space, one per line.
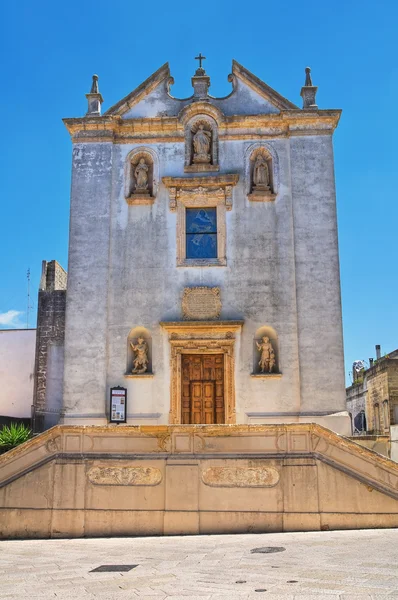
(50,331)
(393,390)
(382,392)
(280,271)
(115,481)
(123,274)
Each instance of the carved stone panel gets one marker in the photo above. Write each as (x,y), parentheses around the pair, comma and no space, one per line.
(240,477)
(201,303)
(124,476)
(55,444)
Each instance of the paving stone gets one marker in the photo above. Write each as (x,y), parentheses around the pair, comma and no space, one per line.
(326,566)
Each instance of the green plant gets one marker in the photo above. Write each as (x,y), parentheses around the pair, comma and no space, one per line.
(12,436)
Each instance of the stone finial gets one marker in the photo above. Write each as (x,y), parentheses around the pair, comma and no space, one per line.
(200,81)
(308,92)
(308,80)
(94,85)
(94,99)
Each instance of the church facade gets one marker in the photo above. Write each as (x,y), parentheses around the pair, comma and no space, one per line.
(203,315)
(203,274)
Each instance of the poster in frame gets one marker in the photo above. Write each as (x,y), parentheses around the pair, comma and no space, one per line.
(118,405)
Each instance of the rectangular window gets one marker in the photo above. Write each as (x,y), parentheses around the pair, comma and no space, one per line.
(201,232)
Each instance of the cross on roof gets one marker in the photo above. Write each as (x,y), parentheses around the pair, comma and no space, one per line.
(200,58)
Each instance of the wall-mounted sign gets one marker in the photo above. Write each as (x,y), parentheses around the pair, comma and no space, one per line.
(118,407)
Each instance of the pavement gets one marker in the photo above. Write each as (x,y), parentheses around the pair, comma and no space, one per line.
(323,565)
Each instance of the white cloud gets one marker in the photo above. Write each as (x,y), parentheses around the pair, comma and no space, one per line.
(11,319)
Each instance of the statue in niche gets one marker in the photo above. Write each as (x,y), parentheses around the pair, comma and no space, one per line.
(267,356)
(201,145)
(261,174)
(141,177)
(141,356)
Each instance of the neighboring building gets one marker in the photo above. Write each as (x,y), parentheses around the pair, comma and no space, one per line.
(49,362)
(372,399)
(382,394)
(32,360)
(356,405)
(206,228)
(17,359)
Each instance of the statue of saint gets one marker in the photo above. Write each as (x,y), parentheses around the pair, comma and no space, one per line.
(267,358)
(261,173)
(141,176)
(201,145)
(141,358)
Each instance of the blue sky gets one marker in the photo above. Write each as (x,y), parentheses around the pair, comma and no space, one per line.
(51,49)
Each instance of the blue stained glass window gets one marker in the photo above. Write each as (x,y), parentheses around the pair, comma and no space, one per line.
(201,233)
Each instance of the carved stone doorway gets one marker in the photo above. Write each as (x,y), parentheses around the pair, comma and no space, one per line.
(203,338)
(202,389)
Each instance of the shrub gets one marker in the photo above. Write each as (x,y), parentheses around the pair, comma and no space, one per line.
(12,436)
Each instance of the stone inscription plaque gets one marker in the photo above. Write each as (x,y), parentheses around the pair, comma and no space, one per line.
(240,477)
(201,303)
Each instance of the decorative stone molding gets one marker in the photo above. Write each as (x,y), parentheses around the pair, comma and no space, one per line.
(201,303)
(124,476)
(54,445)
(116,130)
(202,337)
(133,195)
(240,477)
(215,191)
(266,375)
(138,376)
(197,109)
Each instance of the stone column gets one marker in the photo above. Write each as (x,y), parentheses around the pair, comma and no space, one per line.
(85,393)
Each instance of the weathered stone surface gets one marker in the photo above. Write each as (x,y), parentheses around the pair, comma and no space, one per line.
(324,565)
(49,346)
(90,481)
(124,476)
(279,267)
(201,303)
(240,477)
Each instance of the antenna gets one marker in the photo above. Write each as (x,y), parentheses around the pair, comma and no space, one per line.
(29,305)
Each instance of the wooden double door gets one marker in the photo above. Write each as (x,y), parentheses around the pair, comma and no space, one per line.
(202,388)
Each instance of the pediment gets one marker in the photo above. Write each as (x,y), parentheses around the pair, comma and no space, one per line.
(152,97)
(261,88)
(159,78)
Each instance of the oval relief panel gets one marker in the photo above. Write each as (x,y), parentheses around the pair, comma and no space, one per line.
(240,476)
(124,476)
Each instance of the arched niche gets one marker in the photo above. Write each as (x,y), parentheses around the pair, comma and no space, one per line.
(148,158)
(133,336)
(261,158)
(265,332)
(207,162)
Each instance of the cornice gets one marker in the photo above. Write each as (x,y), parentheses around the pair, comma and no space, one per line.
(201,326)
(113,128)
